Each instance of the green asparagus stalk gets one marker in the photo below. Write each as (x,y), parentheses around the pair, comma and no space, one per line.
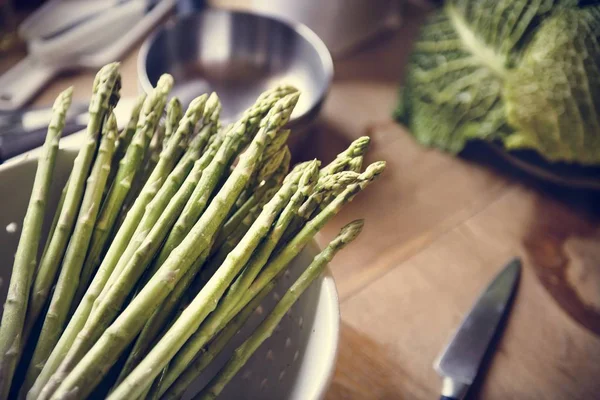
(159,216)
(155,101)
(213,349)
(223,314)
(263,104)
(161,137)
(59,206)
(128,169)
(221,253)
(266,162)
(125,138)
(179,363)
(13,318)
(226,273)
(159,319)
(328,187)
(156,323)
(357,148)
(204,161)
(88,372)
(314,225)
(271,178)
(99,107)
(154,209)
(64,291)
(243,353)
(355,165)
(244,128)
(154,150)
(174,115)
(328,184)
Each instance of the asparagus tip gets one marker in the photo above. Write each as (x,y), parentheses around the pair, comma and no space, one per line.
(349,232)
(360,146)
(373,170)
(311,173)
(165,83)
(63,101)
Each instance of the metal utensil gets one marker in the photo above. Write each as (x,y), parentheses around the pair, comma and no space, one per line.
(25,130)
(238,55)
(459,363)
(61,36)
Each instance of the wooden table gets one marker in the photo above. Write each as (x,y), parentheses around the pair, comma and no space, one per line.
(438,228)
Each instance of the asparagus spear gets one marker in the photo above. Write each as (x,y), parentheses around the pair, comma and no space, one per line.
(232,241)
(267,162)
(243,353)
(155,101)
(271,178)
(203,163)
(88,372)
(180,362)
(162,134)
(355,165)
(128,170)
(15,306)
(208,297)
(160,317)
(59,206)
(159,218)
(99,106)
(328,184)
(235,137)
(210,351)
(357,148)
(217,320)
(71,267)
(132,259)
(125,138)
(154,149)
(174,115)
(172,183)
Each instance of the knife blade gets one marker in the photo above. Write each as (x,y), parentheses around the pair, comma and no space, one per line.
(459,362)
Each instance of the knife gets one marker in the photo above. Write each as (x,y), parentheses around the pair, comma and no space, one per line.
(459,363)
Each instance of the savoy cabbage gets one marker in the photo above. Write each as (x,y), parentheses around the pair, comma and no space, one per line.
(523,73)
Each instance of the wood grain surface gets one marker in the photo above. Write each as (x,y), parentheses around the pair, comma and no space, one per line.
(438,228)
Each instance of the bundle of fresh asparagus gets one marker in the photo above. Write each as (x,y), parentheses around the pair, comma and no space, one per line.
(167,236)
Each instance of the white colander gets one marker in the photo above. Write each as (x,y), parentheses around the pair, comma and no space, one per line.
(297,362)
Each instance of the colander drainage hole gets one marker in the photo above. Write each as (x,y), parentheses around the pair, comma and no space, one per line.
(269,356)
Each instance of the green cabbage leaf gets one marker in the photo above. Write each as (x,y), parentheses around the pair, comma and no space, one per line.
(523,73)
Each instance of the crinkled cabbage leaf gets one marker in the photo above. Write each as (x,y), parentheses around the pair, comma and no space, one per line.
(523,73)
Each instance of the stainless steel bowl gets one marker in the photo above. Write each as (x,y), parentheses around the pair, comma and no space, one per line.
(238,55)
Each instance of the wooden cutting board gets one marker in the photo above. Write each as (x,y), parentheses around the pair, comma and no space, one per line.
(438,228)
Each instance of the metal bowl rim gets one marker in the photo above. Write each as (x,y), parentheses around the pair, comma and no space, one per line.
(299,28)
